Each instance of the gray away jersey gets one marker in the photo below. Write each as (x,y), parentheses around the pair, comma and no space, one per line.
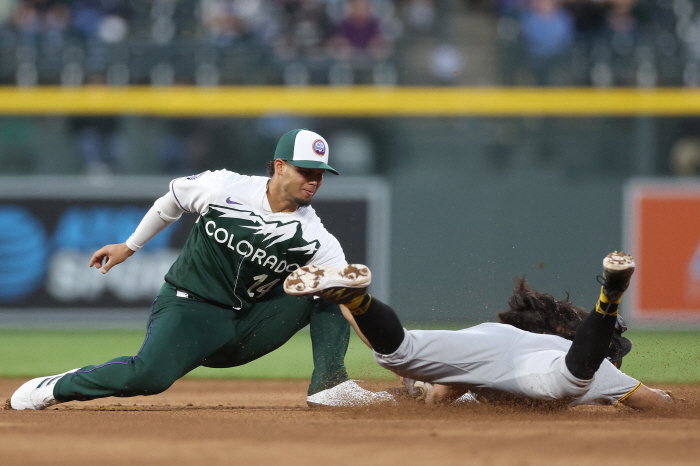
(239,250)
(499,357)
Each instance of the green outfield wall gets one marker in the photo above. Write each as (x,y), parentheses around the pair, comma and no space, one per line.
(483,184)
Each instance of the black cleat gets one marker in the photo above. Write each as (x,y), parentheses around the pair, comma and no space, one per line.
(339,285)
(618,268)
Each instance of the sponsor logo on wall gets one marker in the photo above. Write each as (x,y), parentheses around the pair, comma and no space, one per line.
(46,246)
(665,241)
(45,249)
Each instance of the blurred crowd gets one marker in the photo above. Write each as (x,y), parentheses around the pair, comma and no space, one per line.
(203,42)
(638,43)
(642,43)
(341,42)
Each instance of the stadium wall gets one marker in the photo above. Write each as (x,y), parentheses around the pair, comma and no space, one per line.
(347,101)
(464,217)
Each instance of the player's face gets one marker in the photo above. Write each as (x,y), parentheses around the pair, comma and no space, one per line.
(300,184)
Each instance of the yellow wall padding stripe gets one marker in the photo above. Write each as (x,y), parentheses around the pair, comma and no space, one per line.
(626,395)
(351,101)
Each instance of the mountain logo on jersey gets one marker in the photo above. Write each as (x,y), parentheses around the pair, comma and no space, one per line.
(250,246)
(319,147)
(249,256)
(275,232)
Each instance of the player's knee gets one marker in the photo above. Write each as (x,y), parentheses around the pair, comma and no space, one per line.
(581,369)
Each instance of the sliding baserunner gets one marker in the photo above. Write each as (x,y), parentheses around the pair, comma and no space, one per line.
(492,359)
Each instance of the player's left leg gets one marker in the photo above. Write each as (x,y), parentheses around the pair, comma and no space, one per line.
(593,336)
(273,321)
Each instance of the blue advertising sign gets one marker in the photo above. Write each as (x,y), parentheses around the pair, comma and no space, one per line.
(48,238)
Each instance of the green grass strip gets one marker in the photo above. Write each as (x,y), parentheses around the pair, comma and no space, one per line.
(657,356)
(663,356)
(32,353)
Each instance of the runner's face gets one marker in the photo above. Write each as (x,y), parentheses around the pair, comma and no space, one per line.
(300,184)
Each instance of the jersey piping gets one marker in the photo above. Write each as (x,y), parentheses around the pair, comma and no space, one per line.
(628,394)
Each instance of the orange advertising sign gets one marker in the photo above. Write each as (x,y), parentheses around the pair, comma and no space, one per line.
(663,235)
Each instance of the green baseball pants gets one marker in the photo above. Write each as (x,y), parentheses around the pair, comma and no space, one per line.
(185,333)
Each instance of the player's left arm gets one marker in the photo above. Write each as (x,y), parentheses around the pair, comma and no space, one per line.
(163,212)
(643,397)
(108,256)
(190,194)
(440,394)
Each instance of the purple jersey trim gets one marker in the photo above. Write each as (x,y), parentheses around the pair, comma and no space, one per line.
(172,190)
(131,359)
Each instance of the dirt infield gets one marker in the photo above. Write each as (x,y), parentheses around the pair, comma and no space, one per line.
(268,423)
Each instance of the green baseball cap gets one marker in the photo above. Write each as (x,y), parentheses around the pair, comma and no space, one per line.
(305,149)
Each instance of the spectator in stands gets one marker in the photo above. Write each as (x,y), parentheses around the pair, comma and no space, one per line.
(589,17)
(104,19)
(222,22)
(623,35)
(33,18)
(359,34)
(227,21)
(548,33)
(305,29)
(621,19)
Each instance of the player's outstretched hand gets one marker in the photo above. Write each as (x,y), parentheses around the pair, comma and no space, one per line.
(114,253)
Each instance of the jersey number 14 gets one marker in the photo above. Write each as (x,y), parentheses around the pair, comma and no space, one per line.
(262,289)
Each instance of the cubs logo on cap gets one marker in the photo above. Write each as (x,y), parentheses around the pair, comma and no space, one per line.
(305,149)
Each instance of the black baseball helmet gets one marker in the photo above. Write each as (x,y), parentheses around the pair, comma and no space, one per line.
(620,346)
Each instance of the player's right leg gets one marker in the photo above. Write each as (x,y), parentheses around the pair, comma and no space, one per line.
(181,332)
(348,286)
(37,393)
(593,336)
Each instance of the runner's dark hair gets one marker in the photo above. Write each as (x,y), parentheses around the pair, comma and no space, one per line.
(538,312)
(270,168)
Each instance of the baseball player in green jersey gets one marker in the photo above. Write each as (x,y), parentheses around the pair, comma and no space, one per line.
(222,303)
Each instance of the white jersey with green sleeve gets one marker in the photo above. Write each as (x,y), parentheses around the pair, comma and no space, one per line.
(239,249)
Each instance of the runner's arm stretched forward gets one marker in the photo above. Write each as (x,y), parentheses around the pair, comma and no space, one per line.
(643,398)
